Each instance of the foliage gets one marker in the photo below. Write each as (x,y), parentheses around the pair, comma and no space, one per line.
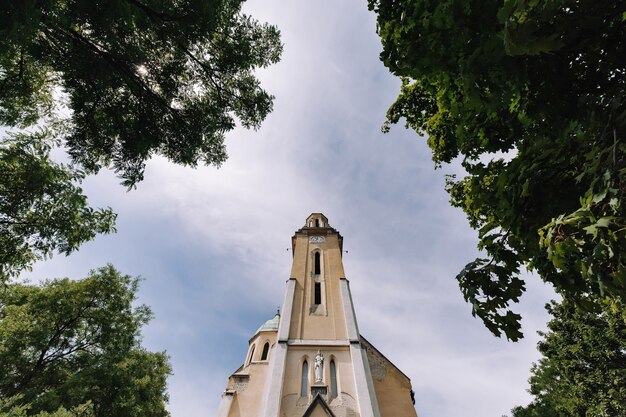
(141,77)
(116,82)
(42,207)
(75,344)
(583,369)
(8,408)
(529,96)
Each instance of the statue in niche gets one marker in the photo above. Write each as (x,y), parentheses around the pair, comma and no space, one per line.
(319,366)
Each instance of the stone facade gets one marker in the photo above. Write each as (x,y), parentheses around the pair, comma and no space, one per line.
(312,360)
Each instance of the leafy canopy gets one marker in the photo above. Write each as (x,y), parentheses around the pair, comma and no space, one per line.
(76,345)
(8,408)
(42,207)
(529,96)
(140,77)
(114,83)
(583,368)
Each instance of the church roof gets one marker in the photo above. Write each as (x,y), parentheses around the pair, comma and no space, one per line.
(271,325)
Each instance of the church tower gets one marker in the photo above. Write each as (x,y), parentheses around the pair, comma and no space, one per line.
(311,360)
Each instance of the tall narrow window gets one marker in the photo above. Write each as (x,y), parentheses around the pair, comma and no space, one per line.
(251,354)
(266,350)
(318,264)
(304,386)
(317,223)
(318,293)
(333,379)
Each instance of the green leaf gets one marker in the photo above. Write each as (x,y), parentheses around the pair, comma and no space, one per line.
(605,221)
(599,197)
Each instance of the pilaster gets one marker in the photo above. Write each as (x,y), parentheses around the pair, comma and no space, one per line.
(225,403)
(274,387)
(366,396)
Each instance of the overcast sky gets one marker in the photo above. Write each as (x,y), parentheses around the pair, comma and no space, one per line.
(211,243)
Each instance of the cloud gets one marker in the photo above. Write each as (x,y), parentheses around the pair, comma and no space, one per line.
(212,243)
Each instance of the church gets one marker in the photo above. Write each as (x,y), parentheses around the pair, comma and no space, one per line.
(310,360)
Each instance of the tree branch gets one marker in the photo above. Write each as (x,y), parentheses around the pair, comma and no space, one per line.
(42,360)
(165,17)
(118,64)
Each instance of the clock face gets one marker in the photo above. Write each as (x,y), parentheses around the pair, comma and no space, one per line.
(316,239)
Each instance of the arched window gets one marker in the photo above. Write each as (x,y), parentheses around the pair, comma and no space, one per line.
(304,386)
(266,350)
(318,264)
(333,379)
(318,293)
(251,354)
(317,223)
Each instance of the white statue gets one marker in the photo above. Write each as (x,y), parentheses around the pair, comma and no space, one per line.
(319,366)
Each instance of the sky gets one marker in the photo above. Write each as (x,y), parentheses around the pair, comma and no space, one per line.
(211,244)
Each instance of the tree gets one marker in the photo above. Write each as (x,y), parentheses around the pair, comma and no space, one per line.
(140,77)
(42,207)
(9,409)
(76,345)
(529,96)
(583,369)
(114,82)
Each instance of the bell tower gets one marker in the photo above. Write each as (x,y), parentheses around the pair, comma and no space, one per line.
(317,312)
(311,360)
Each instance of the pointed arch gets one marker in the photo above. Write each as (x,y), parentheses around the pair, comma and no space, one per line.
(317,263)
(334,392)
(266,351)
(318,403)
(304,379)
(317,291)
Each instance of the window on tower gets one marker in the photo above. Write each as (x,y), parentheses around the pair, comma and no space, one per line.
(318,293)
(304,386)
(318,264)
(266,350)
(317,223)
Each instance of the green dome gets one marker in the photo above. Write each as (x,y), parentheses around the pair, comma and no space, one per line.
(271,325)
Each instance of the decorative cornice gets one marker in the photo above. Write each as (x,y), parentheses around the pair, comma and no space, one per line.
(318,342)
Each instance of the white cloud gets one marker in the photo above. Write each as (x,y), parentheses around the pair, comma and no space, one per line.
(212,243)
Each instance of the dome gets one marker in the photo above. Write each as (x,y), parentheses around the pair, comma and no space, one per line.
(271,325)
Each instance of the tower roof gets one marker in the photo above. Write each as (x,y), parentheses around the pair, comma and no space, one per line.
(271,325)
(322,220)
(316,225)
